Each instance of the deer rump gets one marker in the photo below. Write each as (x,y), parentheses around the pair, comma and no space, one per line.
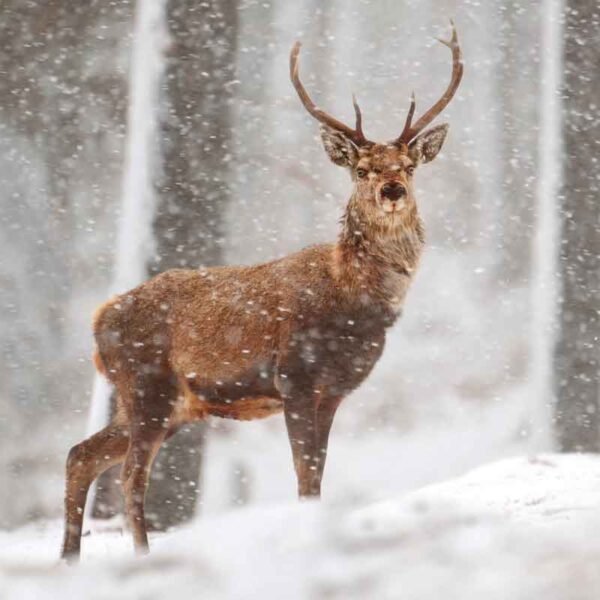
(238,340)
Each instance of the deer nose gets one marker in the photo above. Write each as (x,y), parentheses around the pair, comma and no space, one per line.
(392,190)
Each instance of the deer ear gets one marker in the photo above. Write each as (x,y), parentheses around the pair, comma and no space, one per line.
(339,148)
(424,148)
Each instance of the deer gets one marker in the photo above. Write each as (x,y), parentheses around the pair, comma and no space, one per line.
(294,335)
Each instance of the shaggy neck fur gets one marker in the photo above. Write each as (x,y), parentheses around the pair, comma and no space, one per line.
(377,255)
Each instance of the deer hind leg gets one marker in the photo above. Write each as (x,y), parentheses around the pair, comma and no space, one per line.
(86,461)
(153,406)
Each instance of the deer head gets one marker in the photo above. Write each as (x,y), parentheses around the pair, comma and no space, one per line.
(383,173)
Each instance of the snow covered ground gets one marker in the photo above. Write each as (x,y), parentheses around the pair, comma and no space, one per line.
(521,528)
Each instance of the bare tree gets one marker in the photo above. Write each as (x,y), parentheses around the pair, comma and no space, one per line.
(578,351)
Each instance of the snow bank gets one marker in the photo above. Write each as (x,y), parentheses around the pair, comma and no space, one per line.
(520,529)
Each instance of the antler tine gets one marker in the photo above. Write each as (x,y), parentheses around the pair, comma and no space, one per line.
(453,41)
(409,117)
(356,135)
(410,131)
(358,125)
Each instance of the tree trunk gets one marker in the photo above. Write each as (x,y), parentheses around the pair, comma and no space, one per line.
(193,197)
(193,192)
(578,350)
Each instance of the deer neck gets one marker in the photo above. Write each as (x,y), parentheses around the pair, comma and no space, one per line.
(375,260)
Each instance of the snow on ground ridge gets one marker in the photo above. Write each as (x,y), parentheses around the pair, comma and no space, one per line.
(519,528)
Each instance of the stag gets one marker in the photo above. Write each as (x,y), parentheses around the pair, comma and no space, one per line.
(296,334)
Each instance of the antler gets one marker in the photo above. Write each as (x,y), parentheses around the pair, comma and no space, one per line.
(411,131)
(356,134)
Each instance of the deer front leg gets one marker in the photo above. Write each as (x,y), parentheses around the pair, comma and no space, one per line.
(326,410)
(308,422)
(301,422)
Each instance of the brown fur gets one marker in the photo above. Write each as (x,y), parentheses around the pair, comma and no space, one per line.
(296,335)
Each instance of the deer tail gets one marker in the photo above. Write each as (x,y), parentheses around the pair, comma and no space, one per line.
(96,321)
(98,362)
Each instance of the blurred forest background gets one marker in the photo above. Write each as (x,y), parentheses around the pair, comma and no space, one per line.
(138,136)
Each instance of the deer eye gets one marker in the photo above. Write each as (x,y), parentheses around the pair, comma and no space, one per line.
(410,170)
(361,173)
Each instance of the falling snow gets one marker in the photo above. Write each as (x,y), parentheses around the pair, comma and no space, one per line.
(108,176)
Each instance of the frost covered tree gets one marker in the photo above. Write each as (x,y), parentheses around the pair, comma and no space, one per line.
(194,192)
(192,187)
(578,353)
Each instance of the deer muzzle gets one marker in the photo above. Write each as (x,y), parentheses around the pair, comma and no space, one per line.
(393,190)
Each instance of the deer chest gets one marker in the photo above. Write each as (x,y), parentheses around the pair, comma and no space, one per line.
(336,355)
